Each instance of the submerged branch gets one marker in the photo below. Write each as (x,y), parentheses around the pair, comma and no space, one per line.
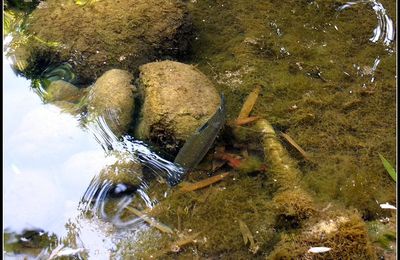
(295,145)
(150,221)
(203,183)
(249,103)
(282,167)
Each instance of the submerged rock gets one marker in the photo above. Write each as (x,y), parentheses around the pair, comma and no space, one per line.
(61,90)
(102,35)
(128,173)
(112,97)
(178,99)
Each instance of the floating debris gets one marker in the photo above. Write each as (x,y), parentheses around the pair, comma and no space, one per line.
(317,250)
(61,250)
(387,206)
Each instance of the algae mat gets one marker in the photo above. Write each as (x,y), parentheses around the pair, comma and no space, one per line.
(328,76)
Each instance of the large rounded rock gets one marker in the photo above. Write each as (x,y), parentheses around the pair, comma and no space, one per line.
(112,97)
(102,35)
(178,99)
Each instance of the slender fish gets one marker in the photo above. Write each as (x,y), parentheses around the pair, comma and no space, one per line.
(201,141)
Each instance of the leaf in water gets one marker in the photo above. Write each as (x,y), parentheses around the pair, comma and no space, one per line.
(388,167)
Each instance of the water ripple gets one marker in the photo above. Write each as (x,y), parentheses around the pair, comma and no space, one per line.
(103,193)
(384,30)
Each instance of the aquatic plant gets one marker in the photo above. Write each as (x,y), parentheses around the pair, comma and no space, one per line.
(389,168)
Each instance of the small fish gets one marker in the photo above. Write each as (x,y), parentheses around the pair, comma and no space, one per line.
(197,145)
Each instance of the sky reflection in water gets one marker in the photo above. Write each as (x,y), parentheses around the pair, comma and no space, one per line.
(49,160)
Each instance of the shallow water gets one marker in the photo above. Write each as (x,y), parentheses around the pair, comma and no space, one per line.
(329,81)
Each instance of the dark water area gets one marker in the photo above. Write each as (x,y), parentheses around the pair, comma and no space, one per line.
(79,187)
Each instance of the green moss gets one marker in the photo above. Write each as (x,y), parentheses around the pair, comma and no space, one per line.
(190,212)
(381,233)
(340,118)
(292,208)
(343,232)
(251,164)
(29,242)
(133,33)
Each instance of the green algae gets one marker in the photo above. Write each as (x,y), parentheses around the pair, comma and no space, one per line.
(314,91)
(28,242)
(345,234)
(189,212)
(315,94)
(330,118)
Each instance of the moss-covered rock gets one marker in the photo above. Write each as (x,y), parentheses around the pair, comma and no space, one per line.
(344,232)
(112,97)
(105,34)
(128,173)
(178,99)
(293,207)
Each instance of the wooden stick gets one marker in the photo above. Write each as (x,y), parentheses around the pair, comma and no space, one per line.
(151,221)
(246,120)
(249,103)
(176,246)
(295,145)
(203,183)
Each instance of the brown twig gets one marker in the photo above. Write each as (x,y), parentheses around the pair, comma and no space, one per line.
(295,145)
(203,183)
(150,221)
(246,120)
(249,103)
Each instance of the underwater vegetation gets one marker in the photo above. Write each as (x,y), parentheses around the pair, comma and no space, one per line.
(309,98)
(389,168)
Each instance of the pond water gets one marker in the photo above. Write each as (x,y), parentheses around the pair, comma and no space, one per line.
(327,74)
